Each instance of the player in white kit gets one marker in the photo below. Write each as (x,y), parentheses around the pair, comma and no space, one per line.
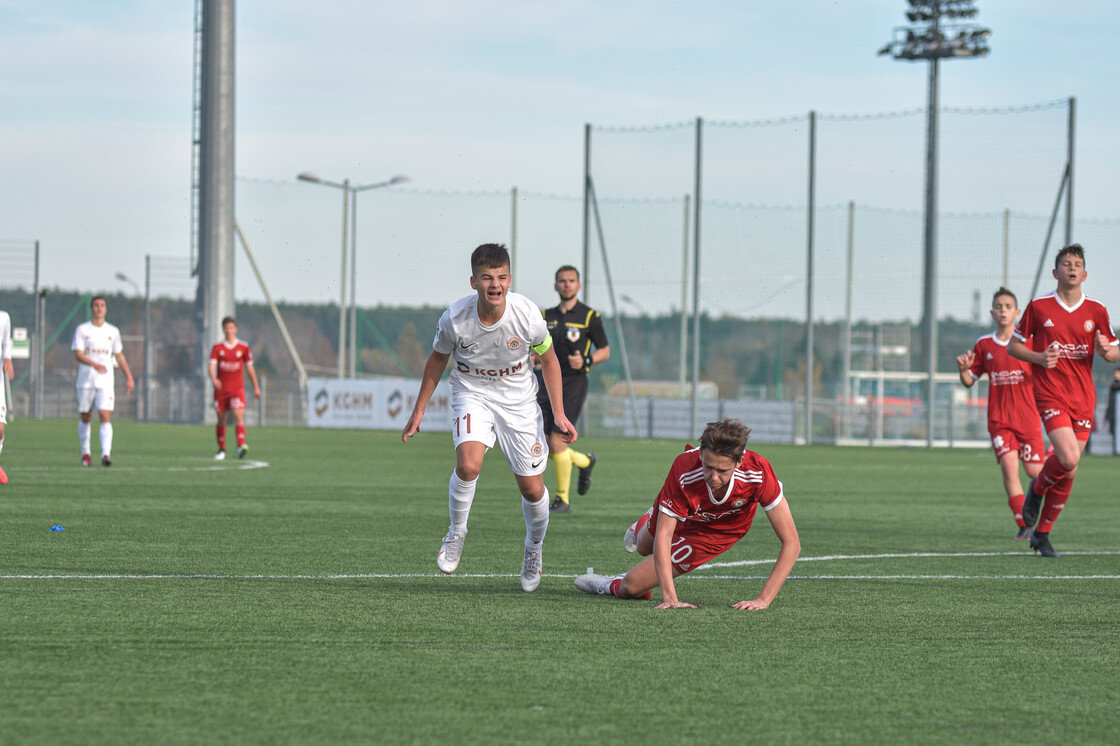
(488,336)
(8,374)
(97,343)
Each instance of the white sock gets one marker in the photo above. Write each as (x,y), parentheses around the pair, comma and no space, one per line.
(1,445)
(460,495)
(83,436)
(536,519)
(106,435)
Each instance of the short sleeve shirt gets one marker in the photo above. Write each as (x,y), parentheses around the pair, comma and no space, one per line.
(687,497)
(1010,390)
(575,331)
(1072,331)
(5,336)
(231,361)
(492,361)
(100,344)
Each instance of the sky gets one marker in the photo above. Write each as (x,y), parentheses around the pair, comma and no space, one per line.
(95,98)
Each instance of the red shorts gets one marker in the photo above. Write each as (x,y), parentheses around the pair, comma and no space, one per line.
(1029,445)
(227,400)
(1055,417)
(693,548)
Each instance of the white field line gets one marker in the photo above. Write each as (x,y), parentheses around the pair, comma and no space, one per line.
(743,563)
(210,465)
(899,555)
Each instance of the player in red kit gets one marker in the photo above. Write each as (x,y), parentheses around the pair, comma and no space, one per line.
(1012,419)
(1067,326)
(227,361)
(707,504)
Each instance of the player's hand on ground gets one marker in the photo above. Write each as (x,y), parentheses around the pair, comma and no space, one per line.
(965,361)
(674,605)
(753,605)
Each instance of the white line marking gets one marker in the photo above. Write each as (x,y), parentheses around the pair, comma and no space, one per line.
(210,466)
(827,558)
(743,563)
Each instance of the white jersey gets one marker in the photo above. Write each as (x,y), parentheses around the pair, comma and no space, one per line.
(492,361)
(5,336)
(100,344)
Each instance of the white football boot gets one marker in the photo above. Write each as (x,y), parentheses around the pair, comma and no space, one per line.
(450,551)
(531,569)
(596,584)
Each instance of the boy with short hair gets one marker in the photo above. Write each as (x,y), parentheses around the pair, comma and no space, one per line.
(494,398)
(228,360)
(1067,327)
(707,504)
(7,372)
(1012,419)
(97,344)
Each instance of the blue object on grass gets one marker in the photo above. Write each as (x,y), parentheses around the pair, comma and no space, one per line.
(57,527)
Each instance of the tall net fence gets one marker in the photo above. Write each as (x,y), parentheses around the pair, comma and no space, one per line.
(1000,175)
(19,297)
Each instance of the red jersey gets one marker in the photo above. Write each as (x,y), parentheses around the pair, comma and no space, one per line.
(231,361)
(1072,331)
(686,496)
(1010,392)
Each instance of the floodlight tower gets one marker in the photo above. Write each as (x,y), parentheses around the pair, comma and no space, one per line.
(930,38)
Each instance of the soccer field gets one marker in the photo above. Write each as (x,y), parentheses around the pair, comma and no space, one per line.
(294,598)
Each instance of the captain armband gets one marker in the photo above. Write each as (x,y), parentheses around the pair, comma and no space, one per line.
(543,346)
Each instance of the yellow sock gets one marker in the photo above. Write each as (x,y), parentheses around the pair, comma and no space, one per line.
(563,463)
(579,460)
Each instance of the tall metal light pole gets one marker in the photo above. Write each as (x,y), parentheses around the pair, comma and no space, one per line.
(928,38)
(349,223)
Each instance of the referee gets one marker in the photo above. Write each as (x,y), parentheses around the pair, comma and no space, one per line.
(575,329)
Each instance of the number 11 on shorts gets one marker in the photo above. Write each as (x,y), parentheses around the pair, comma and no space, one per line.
(466,420)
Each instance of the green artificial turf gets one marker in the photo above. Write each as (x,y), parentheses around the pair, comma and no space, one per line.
(189,601)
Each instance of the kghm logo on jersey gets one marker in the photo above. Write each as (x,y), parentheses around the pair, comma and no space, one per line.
(514,344)
(536,450)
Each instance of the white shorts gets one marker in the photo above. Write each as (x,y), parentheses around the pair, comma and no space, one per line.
(3,410)
(103,399)
(519,431)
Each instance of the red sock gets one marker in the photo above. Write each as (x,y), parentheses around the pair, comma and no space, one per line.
(1052,473)
(616,590)
(240,430)
(1016,503)
(1056,499)
(221,430)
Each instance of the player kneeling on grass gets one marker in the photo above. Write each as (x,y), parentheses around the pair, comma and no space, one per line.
(706,505)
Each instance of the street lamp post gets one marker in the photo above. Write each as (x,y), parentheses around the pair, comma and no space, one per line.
(930,39)
(349,222)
